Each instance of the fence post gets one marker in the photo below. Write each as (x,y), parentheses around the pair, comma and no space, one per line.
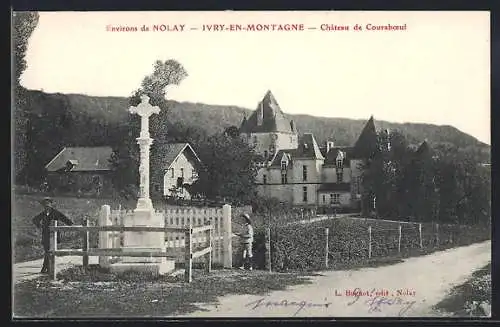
(188,258)
(326,247)
(420,235)
(104,239)
(227,251)
(268,249)
(399,239)
(52,257)
(86,246)
(437,234)
(369,242)
(208,257)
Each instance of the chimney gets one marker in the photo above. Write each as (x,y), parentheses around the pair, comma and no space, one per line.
(329,146)
(260,113)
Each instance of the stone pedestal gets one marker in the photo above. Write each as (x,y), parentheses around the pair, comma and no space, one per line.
(144,242)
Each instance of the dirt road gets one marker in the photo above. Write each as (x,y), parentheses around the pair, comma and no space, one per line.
(422,282)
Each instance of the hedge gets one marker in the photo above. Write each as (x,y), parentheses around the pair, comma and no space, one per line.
(302,247)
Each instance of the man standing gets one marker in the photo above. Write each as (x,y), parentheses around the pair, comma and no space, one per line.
(247,242)
(43,221)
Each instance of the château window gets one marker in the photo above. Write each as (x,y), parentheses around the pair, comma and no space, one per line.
(335,198)
(284,179)
(324,198)
(182,172)
(304,194)
(340,163)
(340,176)
(173,172)
(304,173)
(283,165)
(264,179)
(356,184)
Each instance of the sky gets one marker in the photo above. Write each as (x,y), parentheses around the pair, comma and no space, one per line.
(436,70)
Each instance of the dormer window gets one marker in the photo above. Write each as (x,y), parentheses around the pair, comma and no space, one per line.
(340,160)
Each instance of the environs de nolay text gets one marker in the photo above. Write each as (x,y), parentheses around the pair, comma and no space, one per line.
(256,28)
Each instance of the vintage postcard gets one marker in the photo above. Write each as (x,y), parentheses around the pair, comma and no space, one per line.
(251,164)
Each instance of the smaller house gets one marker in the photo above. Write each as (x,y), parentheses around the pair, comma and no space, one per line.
(174,166)
(84,170)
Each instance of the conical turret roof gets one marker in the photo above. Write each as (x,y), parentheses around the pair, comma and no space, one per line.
(267,118)
(366,144)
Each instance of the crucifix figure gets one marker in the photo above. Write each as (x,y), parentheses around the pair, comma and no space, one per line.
(144,109)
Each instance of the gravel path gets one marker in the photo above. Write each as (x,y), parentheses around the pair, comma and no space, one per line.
(29,270)
(424,280)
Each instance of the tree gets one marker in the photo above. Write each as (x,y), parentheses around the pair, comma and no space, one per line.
(232,131)
(230,169)
(23,25)
(125,160)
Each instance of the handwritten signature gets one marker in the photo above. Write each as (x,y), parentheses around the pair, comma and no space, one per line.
(300,305)
(375,304)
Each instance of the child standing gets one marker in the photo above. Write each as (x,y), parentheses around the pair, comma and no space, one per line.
(247,242)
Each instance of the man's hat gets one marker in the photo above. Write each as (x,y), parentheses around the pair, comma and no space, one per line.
(46,201)
(246,216)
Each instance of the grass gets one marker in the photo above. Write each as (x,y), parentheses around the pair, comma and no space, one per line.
(465,300)
(78,294)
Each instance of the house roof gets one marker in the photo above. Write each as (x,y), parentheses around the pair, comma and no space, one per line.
(267,118)
(331,156)
(167,153)
(335,187)
(276,163)
(423,149)
(82,159)
(308,148)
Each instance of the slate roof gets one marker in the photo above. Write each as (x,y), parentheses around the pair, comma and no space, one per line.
(82,159)
(308,148)
(166,153)
(366,144)
(271,116)
(335,187)
(331,156)
(276,163)
(423,149)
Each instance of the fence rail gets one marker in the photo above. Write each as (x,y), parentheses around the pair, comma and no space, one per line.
(86,251)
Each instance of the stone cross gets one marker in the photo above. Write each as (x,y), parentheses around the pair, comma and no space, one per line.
(144,109)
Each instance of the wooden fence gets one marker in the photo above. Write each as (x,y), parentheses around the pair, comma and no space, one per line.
(176,221)
(86,251)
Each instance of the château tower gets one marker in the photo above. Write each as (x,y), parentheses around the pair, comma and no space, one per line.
(268,129)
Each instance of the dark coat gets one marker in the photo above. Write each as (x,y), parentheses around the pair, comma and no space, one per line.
(44,219)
